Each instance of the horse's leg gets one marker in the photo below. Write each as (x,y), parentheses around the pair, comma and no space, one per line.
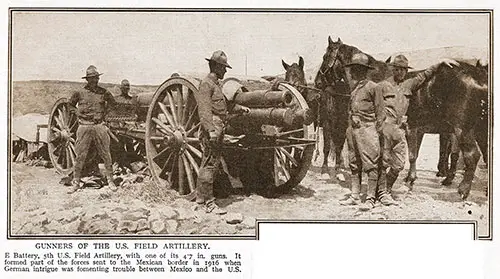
(455,153)
(481,134)
(471,157)
(444,151)
(327,130)
(414,138)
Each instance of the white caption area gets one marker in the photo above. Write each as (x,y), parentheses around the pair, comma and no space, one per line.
(368,251)
(128,259)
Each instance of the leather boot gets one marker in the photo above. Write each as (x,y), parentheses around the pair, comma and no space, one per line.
(392,176)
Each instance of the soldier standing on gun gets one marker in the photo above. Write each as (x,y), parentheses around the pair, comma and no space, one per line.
(397,91)
(92,102)
(366,115)
(212,110)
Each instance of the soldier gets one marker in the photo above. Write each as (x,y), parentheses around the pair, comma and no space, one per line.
(125,97)
(397,91)
(366,115)
(92,102)
(213,111)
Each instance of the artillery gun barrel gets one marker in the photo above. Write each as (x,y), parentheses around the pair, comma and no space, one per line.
(263,98)
(283,117)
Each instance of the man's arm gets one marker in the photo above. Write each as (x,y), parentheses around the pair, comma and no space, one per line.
(73,100)
(108,97)
(203,99)
(426,75)
(378,101)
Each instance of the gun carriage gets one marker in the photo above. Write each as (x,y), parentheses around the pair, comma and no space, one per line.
(270,146)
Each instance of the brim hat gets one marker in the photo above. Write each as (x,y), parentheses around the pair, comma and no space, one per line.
(400,61)
(360,59)
(92,72)
(220,57)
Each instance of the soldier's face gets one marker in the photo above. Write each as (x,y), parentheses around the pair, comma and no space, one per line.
(220,70)
(92,81)
(399,73)
(125,89)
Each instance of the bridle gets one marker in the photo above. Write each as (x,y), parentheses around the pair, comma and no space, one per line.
(336,79)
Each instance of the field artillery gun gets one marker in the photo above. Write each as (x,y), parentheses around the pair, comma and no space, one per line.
(271,146)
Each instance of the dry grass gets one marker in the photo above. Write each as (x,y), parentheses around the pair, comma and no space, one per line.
(38,96)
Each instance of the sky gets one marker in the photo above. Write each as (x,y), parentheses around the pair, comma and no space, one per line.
(147,47)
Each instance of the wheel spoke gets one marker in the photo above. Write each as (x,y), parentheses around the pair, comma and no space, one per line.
(58,121)
(193,140)
(192,162)
(180,175)
(185,99)
(66,116)
(180,107)
(195,151)
(61,116)
(191,117)
(72,148)
(164,170)
(189,173)
(172,107)
(167,115)
(162,154)
(289,156)
(194,128)
(162,125)
(71,156)
(283,165)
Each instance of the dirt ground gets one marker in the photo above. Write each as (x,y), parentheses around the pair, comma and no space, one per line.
(40,205)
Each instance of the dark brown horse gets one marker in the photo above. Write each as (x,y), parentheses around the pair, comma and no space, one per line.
(452,104)
(334,82)
(295,76)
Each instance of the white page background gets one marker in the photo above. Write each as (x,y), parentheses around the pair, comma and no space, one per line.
(319,250)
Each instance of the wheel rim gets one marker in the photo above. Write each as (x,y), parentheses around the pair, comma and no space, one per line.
(292,161)
(61,136)
(172,136)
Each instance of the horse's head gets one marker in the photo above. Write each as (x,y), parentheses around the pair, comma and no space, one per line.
(295,73)
(296,77)
(332,71)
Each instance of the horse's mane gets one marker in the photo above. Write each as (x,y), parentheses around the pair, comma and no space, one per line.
(381,68)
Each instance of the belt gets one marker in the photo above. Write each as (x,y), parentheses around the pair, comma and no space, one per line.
(396,121)
(89,122)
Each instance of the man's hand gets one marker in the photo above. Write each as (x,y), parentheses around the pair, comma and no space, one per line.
(355,122)
(213,137)
(450,62)
(244,109)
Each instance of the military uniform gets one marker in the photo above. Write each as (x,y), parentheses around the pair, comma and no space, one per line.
(213,110)
(366,114)
(393,137)
(92,105)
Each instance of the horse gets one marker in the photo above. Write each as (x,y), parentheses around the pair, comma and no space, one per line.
(334,83)
(457,92)
(451,104)
(295,76)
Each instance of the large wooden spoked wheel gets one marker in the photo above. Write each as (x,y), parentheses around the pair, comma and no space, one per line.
(61,136)
(293,157)
(172,135)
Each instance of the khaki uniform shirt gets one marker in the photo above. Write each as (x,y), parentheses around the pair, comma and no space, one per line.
(367,103)
(92,104)
(397,95)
